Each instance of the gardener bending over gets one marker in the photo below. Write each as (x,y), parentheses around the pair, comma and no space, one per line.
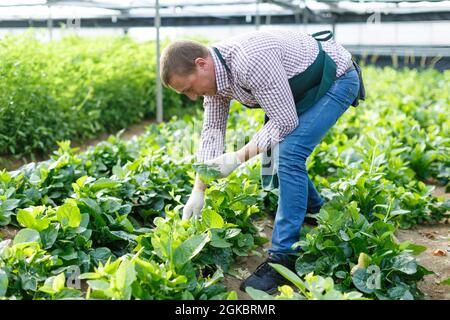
(303,84)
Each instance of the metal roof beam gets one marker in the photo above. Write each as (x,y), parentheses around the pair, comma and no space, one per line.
(220,20)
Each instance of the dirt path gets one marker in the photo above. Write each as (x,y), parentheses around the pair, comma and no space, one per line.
(434,236)
(10,163)
(244,266)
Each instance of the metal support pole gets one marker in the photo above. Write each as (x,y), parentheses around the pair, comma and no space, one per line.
(159,102)
(304,16)
(50,23)
(257,16)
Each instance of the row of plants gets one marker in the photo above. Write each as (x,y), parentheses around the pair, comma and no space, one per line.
(372,168)
(374,183)
(123,233)
(74,88)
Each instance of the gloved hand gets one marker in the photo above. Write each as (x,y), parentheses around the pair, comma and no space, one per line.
(194,205)
(226,163)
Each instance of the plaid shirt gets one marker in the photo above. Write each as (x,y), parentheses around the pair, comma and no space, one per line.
(261,63)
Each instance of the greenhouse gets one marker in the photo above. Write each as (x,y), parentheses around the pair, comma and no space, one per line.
(224,150)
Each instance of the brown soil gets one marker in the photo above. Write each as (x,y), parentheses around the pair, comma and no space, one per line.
(11,163)
(432,236)
(8,232)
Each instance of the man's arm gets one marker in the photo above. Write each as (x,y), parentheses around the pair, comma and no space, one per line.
(216,109)
(269,84)
(211,145)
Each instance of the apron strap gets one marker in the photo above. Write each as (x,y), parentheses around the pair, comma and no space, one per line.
(222,60)
(320,33)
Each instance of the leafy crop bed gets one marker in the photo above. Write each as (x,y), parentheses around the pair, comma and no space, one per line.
(74,89)
(112,213)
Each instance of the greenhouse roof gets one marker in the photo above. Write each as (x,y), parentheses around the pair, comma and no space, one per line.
(21,10)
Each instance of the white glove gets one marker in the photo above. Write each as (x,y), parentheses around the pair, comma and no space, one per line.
(194,205)
(226,163)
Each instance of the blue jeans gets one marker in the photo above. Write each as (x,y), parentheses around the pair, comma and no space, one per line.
(296,190)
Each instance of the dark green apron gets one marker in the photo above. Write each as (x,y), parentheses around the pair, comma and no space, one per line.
(307,88)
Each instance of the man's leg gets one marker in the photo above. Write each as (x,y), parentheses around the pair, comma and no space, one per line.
(293,177)
(315,201)
(294,183)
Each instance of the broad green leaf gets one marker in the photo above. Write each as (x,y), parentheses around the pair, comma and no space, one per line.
(405,263)
(415,248)
(125,275)
(207,173)
(124,235)
(256,294)
(98,284)
(289,275)
(186,295)
(48,236)
(400,293)
(26,218)
(361,281)
(26,236)
(54,284)
(101,254)
(29,282)
(217,241)
(232,232)
(59,282)
(217,197)
(10,204)
(29,218)
(446,281)
(189,249)
(245,240)
(212,219)
(104,183)
(69,215)
(95,211)
(303,267)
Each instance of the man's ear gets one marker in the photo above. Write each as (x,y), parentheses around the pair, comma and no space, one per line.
(200,62)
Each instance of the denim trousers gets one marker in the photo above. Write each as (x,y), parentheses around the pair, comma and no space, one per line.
(296,190)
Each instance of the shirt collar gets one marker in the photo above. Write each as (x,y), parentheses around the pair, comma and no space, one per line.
(221,73)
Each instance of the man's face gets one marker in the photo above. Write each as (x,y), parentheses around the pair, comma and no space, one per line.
(200,83)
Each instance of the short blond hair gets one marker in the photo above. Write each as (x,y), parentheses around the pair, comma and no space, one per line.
(179,58)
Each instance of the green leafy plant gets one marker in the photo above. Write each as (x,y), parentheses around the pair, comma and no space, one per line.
(207,173)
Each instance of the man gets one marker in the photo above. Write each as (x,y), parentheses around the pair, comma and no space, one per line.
(302,83)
